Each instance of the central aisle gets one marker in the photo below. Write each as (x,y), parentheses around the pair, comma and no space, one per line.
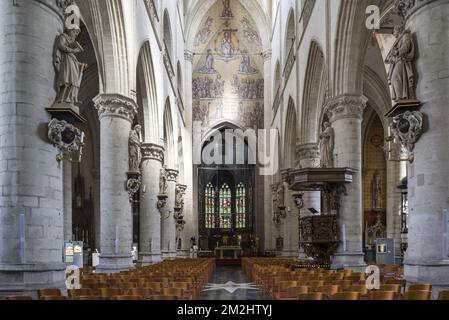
(231,283)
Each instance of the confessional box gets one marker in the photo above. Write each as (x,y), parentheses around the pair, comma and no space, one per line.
(385,251)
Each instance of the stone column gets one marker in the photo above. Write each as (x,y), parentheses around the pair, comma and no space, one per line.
(309,157)
(116,114)
(394,204)
(426,260)
(345,113)
(97,207)
(67,196)
(30,177)
(150,216)
(268,232)
(190,216)
(168,223)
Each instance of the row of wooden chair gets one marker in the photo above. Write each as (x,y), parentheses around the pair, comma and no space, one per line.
(168,280)
(280,281)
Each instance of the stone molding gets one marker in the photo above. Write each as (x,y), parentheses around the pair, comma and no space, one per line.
(172,175)
(115,105)
(346,107)
(406,8)
(309,151)
(151,151)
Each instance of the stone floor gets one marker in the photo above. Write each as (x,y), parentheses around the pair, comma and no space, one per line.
(231,283)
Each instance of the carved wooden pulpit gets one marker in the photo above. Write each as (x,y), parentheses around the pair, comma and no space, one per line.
(320,235)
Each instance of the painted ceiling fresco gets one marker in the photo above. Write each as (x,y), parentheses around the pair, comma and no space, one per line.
(228,68)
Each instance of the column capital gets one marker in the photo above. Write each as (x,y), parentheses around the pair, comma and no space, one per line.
(346,107)
(267,54)
(405,8)
(308,151)
(151,151)
(188,55)
(115,105)
(172,175)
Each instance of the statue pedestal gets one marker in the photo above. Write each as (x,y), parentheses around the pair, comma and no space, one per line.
(403,106)
(66,112)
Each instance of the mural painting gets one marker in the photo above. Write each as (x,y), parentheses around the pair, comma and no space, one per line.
(227,82)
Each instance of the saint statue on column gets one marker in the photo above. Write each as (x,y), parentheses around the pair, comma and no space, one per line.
(327,144)
(179,201)
(163,181)
(69,70)
(401,75)
(135,152)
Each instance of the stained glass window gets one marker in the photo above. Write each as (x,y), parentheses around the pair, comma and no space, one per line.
(225,207)
(210,206)
(240,218)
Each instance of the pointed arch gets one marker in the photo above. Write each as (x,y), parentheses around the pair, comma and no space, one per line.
(315,85)
(148,94)
(169,136)
(197,10)
(290,136)
(105,21)
(352,39)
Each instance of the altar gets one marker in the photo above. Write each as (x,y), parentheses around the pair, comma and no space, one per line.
(234,250)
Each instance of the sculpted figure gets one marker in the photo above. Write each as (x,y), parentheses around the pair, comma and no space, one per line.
(135,152)
(401,75)
(163,181)
(69,70)
(327,143)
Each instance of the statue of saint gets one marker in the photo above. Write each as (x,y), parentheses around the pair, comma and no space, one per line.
(135,152)
(179,200)
(281,195)
(327,143)
(163,181)
(70,71)
(401,76)
(377,191)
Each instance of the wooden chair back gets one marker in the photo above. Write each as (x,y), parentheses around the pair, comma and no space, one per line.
(346,296)
(382,295)
(418,295)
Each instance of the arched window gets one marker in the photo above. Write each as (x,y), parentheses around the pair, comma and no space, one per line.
(210,206)
(225,208)
(241,207)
